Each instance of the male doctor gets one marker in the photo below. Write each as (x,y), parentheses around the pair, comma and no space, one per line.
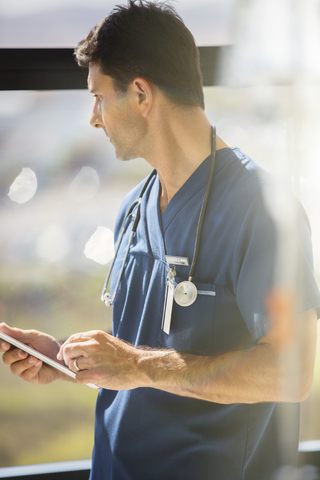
(199,398)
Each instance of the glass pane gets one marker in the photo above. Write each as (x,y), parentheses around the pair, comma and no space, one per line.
(59,185)
(63,23)
(278,126)
(59,182)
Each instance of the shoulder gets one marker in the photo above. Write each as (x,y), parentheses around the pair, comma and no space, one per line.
(242,172)
(245,184)
(253,202)
(239,186)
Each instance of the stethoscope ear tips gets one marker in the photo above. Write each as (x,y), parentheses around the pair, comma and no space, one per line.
(107,299)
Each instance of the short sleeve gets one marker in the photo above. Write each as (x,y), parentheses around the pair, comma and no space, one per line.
(260,252)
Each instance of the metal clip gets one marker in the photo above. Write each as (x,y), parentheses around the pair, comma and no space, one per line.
(172,273)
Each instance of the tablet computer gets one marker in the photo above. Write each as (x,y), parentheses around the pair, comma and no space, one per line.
(40,356)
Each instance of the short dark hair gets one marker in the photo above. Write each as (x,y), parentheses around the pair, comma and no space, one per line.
(149,40)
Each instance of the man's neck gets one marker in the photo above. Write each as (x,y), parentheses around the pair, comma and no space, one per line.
(175,141)
(179,150)
(178,143)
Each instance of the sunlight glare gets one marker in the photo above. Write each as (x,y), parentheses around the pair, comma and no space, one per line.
(24,186)
(85,185)
(99,247)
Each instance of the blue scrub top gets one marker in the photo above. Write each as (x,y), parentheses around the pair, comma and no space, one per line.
(148,434)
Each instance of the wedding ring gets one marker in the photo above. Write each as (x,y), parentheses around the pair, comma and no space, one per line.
(75,363)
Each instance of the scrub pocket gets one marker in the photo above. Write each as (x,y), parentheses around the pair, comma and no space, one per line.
(192,327)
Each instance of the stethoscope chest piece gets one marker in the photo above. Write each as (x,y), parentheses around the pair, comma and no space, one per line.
(185,293)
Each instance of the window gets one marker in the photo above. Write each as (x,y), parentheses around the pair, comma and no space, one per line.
(62,23)
(60,181)
(278,127)
(47,282)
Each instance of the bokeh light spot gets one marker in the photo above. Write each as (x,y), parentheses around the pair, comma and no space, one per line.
(99,247)
(24,186)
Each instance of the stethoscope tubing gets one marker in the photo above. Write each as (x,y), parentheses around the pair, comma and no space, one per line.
(204,206)
(106,297)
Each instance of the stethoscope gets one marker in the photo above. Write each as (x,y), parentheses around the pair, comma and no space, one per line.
(185,292)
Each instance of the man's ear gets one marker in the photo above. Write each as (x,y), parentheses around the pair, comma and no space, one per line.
(143,95)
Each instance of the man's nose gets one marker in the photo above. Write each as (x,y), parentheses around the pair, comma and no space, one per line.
(96,119)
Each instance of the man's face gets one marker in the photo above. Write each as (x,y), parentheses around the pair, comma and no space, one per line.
(115,113)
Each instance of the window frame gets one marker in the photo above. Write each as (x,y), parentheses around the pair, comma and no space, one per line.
(56,69)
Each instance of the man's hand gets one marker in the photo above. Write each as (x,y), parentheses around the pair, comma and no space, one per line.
(103,360)
(264,372)
(25,366)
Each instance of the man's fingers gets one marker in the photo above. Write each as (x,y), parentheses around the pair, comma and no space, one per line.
(78,338)
(67,348)
(12,331)
(13,355)
(32,371)
(4,346)
(22,367)
(80,362)
(75,346)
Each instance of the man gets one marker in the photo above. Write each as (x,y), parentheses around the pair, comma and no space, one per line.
(195,398)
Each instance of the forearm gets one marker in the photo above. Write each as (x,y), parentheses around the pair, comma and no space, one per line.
(272,370)
(279,367)
(245,376)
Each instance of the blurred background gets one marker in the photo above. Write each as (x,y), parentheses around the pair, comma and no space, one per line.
(61,185)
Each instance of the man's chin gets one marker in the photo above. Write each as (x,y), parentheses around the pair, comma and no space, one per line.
(124,157)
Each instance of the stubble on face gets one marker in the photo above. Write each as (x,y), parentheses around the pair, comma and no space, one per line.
(118,114)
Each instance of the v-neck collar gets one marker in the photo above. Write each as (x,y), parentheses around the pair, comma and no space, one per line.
(191,187)
(196,182)
(157,224)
